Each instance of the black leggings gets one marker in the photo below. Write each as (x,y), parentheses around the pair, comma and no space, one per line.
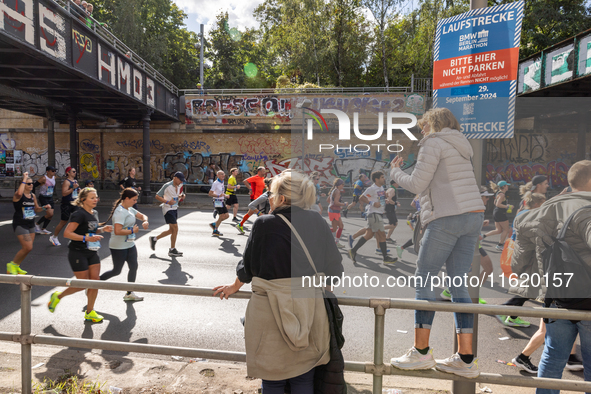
(516,301)
(120,256)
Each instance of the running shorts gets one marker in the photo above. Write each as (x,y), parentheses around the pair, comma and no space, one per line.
(171,216)
(22,230)
(375,222)
(80,260)
(334,216)
(233,199)
(43,201)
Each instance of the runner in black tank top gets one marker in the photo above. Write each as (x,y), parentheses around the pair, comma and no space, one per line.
(23,223)
(70,190)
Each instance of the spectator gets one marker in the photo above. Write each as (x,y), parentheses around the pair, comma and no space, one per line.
(541,224)
(271,269)
(453,210)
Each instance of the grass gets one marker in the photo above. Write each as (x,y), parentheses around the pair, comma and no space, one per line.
(69,384)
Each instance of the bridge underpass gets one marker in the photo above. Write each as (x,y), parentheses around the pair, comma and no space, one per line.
(54,64)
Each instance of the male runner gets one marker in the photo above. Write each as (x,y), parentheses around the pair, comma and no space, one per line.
(217,192)
(47,183)
(391,204)
(70,189)
(170,194)
(256,186)
(375,196)
(232,200)
(358,188)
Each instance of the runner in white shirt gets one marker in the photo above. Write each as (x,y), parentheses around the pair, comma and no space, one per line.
(170,195)
(375,197)
(219,195)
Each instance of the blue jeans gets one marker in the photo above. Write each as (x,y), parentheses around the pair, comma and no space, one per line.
(560,336)
(451,241)
(303,384)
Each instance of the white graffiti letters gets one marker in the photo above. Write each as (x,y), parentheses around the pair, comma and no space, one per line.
(53,39)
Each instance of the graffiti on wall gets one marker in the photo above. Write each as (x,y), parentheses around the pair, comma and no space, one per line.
(34,163)
(556,171)
(523,148)
(193,165)
(90,159)
(6,142)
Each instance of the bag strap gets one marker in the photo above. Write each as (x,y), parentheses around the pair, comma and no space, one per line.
(295,232)
(567,223)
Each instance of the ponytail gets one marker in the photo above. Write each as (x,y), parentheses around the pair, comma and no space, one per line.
(126,193)
(523,189)
(495,188)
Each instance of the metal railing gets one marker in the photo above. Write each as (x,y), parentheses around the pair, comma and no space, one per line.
(106,35)
(417,85)
(377,368)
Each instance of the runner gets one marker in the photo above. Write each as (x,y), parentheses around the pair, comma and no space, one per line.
(70,189)
(391,204)
(83,231)
(217,192)
(47,183)
(538,184)
(23,222)
(260,206)
(375,196)
(232,200)
(334,209)
(256,186)
(500,213)
(170,194)
(130,181)
(358,188)
(317,205)
(122,242)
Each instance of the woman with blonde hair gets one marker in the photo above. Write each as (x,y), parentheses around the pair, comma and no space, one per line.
(538,184)
(500,213)
(83,231)
(451,215)
(286,336)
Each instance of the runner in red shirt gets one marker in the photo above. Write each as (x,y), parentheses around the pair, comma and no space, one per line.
(256,186)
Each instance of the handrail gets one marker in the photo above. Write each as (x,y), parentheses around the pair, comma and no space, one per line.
(120,46)
(377,368)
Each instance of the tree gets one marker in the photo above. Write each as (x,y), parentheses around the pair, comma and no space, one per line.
(381,11)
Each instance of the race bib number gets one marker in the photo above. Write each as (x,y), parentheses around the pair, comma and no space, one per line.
(94,246)
(75,194)
(49,191)
(28,213)
(176,202)
(130,237)
(218,203)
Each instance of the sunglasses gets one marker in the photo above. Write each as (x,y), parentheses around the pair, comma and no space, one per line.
(29,183)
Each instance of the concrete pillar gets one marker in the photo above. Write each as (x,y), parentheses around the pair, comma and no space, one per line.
(50,137)
(74,162)
(146,197)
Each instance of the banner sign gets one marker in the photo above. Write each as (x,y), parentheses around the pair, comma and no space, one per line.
(475,67)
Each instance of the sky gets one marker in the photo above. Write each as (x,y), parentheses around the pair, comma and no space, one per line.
(240,12)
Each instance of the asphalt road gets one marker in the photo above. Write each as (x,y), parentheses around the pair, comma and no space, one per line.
(209,323)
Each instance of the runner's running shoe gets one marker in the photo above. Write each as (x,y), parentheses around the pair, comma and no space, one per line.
(499,247)
(352,255)
(93,316)
(574,364)
(482,301)
(53,301)
(455,365)
(216,233)
(390,260)
(132,297)
(351,241)
(344,212)
(11,269)
(37,229)
(340,245)
(235,219)
(153,242)
(54,240)
(517,322)
(45,232)
(446,295)
(399,251)
(501,318)
(174,253)
(379,251)
(525,364)
(414,360)
(240,228)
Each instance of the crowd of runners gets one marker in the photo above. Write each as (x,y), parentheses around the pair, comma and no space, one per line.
(376,203)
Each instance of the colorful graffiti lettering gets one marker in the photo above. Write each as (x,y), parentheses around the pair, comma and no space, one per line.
(193,165)
(35,163)
(6,142)
(89,146)
(138,144)
(555,171)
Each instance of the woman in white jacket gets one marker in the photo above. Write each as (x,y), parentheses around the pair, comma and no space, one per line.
(452,213)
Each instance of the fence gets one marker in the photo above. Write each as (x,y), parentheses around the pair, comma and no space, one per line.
(377,368)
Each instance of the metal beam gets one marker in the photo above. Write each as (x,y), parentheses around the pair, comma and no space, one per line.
(19,94)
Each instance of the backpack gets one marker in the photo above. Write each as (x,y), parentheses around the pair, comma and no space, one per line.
(568,277)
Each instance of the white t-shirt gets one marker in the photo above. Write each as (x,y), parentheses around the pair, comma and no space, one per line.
(218,190)
(126,218)
(169,192)
(375,194)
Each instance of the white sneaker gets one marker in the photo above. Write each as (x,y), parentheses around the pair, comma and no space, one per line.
(37,229)
(45,232)
(132,297)
(455,365)
(339,245)
(54,240)
(414,360)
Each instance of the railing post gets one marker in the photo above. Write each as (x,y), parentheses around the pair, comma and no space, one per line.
(26,354)
(379,307)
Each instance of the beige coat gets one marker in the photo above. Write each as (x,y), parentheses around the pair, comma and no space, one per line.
(286,329)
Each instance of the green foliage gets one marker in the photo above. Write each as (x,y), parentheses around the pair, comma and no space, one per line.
(68,384)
